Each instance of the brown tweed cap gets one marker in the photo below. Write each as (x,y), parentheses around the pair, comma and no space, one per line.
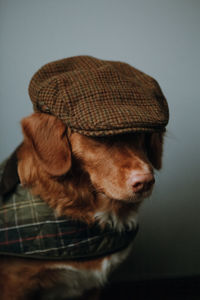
(99,97)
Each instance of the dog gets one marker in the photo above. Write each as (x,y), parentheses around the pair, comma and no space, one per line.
(91,179)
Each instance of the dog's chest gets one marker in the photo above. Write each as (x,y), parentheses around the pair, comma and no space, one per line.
(75,280)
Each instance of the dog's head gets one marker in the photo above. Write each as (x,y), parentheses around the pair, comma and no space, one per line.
(118,167)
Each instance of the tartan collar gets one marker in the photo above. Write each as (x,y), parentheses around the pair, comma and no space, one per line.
(30,228)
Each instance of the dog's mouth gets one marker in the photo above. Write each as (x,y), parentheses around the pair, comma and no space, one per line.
(136,198)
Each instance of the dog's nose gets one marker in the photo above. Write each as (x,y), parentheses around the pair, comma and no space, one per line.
(142,182)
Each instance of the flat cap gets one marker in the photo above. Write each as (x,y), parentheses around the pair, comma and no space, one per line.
(99,97)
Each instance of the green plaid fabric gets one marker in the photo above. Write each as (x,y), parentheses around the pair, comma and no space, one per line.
(30,228)
(99,97)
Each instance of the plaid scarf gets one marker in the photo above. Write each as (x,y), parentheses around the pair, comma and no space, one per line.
(30,228)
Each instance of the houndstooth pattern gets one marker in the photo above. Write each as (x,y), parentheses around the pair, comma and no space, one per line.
(99,97)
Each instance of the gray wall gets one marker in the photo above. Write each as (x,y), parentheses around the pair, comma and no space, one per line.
(157,36)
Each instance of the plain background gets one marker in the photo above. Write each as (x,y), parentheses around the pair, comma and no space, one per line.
(159,37)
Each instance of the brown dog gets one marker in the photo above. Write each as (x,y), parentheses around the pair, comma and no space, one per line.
(89,179)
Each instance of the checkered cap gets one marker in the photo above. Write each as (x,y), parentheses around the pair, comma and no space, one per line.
(99,97)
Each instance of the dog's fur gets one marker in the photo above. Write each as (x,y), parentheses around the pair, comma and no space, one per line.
(87,178)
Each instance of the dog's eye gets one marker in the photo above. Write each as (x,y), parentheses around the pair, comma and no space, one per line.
(101,139)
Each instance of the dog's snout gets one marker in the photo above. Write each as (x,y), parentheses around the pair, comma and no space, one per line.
(142,182)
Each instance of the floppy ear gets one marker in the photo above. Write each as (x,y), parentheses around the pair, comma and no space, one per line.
(155,149)
(48,137)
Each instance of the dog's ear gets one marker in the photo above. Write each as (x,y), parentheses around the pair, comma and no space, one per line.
(48,137)
(155,149)
(10,177)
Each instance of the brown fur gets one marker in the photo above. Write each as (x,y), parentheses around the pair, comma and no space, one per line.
(21,279)
(78,176)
